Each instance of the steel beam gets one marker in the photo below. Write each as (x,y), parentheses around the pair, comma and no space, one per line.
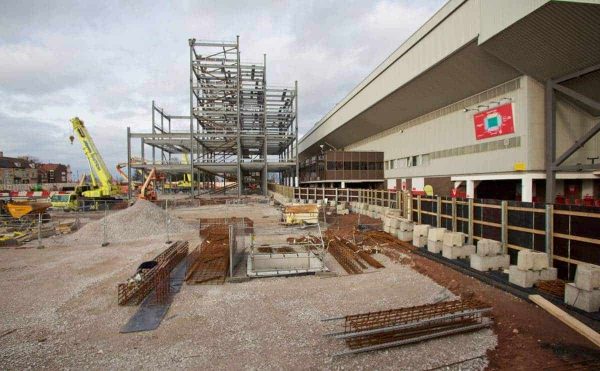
(578,96)
(578,144)
(577,74)
(192,43)
(550,131)
(128,163)
(239,122)
(297,181)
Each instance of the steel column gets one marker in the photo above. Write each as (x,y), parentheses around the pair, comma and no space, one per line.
(550,126)
(191,42)
(128,163)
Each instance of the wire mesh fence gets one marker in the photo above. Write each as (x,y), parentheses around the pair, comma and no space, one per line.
(102,224)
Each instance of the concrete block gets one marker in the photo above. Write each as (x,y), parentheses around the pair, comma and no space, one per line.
(468,250)
(523,278)
(454,239)
(386,228)
(587,276)
(487,247)
(549,274)
(436,234)
(540,261)
(587,300)
(486,263)
(419,241)
(457,252)
(405,236)
(421,230)
(406,225)
(451,252)
(525,260)
(434,246)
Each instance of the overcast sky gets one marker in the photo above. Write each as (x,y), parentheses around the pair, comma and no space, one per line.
(105,61)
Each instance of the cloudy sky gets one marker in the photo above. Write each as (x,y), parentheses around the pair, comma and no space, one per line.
(105,61)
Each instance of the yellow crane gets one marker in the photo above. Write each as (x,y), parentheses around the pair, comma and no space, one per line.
(102,181)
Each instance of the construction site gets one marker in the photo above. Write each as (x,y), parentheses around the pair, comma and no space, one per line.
(398,233)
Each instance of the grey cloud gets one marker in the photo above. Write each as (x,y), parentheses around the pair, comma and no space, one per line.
(110,59)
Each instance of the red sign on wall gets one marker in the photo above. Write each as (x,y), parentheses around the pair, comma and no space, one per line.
(494,122)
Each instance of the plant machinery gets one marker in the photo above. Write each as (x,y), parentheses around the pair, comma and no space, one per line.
(148,190)
(186,183)
(103,187)
(69,201)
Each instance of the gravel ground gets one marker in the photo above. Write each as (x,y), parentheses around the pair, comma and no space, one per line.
(142,220)
(62,303)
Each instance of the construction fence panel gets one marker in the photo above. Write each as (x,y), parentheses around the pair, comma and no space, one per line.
(576,236)
(572,238)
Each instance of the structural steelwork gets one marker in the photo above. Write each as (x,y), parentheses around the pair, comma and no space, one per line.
(240,130)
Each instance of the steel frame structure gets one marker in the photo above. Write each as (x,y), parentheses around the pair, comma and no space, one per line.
(554,163)
(240,129)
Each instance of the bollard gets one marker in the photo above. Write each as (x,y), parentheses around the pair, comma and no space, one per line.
(40,246)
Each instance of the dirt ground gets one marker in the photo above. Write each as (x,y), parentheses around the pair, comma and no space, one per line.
(528,337)
(58,310)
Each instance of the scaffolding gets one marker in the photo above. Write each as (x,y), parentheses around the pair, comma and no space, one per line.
(240,129)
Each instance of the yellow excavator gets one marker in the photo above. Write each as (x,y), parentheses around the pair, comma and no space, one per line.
(103,187)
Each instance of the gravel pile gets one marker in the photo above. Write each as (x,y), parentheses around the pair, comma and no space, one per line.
(143,219)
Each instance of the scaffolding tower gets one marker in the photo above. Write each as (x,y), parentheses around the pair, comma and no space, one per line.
(240,129)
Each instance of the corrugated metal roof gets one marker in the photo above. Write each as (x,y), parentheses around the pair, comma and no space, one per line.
(556,39)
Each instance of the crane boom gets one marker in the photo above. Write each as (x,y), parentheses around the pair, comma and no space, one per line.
(105,188)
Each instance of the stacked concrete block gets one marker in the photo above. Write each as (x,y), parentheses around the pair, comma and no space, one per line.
(420,233)
(393,213)
(435,240)
(342,208)
(532,266)
(453,246)
(489,256)
(387,224)
(486,247)
(453,239)
(458,252)
(405,230)
(584,293)
(486,263)
(390,224)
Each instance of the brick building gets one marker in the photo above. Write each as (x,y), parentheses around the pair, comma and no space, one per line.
(53,173)
(14,170)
